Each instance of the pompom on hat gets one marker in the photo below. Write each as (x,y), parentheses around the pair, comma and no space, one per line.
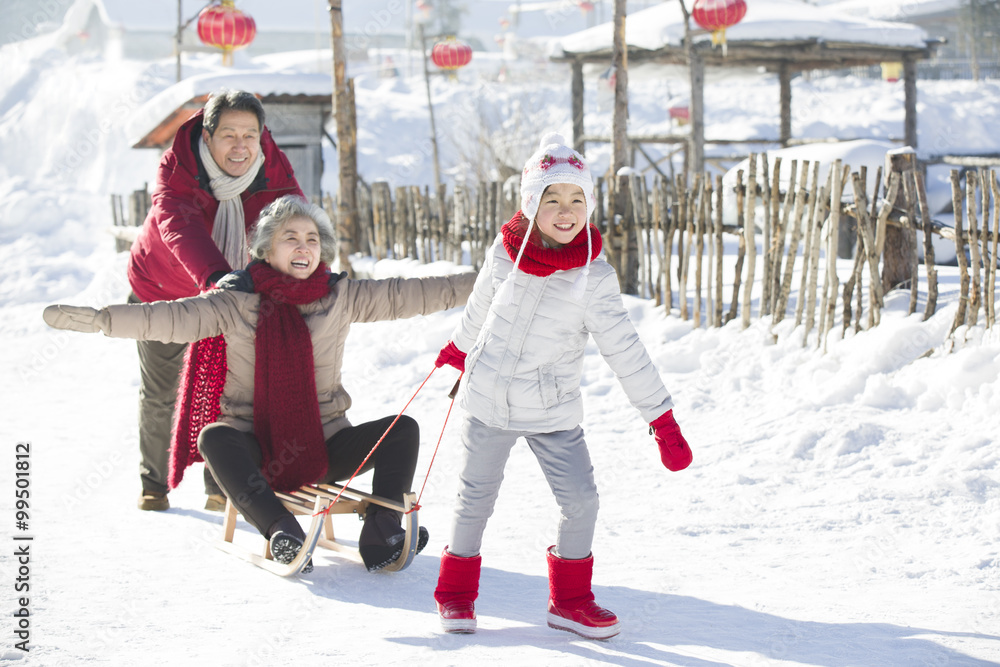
(554,162)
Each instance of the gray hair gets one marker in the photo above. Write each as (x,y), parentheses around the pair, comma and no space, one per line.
(231,100)
(281,211)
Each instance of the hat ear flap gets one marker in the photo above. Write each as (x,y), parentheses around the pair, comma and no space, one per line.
(505,293)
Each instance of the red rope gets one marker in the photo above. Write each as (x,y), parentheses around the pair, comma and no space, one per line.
(355,473)
(436,447)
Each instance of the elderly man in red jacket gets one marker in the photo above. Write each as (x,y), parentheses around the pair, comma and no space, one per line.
(222,169)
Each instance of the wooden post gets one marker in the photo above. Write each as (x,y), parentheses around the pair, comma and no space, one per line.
(768,225)
(430,107)
(795,222)
(699,244)
(630,233)
(749,233)
(347,143)
(972,315)
(443,238)
(963,265)
(740,221)
(695,158)
(576,103)
(717,320)
(460,221)
(781,231)
(672,220)
(870,254)
(619,65)
(684,249)
(399,223)
(910,196)
(809,224)
(822,210)
(831,252)
(987,257)
(785,93)
(659,233)
(896,266)
(706,230)
(910,100)
(995,188)
(929,261)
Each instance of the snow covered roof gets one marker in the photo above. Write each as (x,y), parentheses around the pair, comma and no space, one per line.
(166,111)
(767,22)
(896,10)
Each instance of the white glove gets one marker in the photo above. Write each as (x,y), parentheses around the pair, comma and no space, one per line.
(76,318)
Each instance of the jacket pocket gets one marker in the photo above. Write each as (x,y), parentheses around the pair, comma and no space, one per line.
(547,386)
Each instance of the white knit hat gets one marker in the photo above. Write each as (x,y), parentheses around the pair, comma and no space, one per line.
(554,162)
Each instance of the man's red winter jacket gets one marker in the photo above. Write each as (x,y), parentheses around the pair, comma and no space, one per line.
(174,253)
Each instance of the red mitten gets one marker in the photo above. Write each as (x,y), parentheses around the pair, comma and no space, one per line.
(674,450)
(452,356)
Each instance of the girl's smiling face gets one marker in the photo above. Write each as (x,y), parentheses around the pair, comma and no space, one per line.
(562,213)
(295,250)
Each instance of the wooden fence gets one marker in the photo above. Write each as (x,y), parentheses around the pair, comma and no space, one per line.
(666,239)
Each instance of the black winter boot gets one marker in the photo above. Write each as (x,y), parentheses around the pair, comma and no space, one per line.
(286,541)
(381,540)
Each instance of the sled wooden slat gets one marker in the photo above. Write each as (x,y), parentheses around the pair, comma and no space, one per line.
(312,500)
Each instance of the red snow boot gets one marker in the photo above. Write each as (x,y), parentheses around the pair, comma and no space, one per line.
(571,602)
(456,592)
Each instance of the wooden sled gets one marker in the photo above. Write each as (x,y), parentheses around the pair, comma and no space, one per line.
(311,500)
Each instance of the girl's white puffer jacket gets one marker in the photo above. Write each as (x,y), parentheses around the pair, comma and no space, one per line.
(525,359)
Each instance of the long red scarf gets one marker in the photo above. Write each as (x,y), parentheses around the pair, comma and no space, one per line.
(538,260)
(286,418)
(202,380)
(286,408)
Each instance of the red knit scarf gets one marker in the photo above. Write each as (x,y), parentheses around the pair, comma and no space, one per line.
(202,379)
(288,428)
(538,260)
(286,418)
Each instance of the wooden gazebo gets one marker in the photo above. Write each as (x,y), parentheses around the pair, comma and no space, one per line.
(781,36)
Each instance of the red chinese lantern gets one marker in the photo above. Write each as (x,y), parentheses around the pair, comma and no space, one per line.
(227,28)
(586,7)
(451,54)
(717,15)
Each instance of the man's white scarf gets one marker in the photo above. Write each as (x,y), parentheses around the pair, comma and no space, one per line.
(229,229)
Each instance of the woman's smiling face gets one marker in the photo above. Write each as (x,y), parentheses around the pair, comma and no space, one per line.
(295,250)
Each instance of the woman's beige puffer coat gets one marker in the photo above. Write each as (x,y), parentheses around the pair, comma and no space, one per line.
(234,315)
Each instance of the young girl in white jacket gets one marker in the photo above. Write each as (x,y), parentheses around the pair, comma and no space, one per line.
(520,343)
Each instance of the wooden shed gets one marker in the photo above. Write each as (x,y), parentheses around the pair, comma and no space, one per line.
(780,36)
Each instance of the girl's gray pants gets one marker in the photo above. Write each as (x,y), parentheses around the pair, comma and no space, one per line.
(564,460)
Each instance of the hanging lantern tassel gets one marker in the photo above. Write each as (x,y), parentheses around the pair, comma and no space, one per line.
(719,37)
(717,15)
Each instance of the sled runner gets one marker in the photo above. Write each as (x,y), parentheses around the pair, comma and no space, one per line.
(321,502)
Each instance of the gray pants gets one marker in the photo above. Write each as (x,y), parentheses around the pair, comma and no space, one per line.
(564,460)
(160,367)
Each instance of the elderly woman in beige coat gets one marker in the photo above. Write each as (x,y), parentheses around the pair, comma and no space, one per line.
(282,406)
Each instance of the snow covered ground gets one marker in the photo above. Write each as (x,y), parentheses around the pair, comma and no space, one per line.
(843,509)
